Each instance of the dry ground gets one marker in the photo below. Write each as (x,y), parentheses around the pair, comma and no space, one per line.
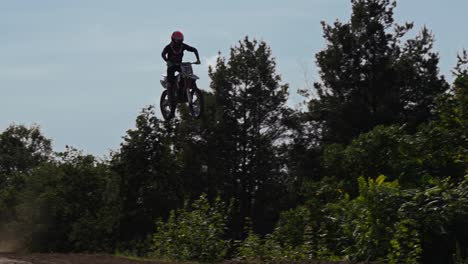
(17,258)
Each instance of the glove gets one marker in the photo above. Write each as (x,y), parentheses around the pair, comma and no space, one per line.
(198,62)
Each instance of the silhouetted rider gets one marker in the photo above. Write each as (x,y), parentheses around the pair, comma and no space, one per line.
(173,54)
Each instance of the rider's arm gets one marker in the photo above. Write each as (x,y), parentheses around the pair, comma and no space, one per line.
(164,53)
(192,49)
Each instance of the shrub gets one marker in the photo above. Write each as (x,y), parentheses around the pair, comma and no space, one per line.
(195,232)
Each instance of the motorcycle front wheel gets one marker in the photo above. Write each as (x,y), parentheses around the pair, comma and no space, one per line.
(167,108)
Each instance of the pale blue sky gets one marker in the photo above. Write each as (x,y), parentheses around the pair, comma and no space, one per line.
(82,70)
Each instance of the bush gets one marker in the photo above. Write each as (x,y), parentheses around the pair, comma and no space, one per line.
(69,205)
(361,228)
(406,244)
(384,222)
(289,240)
(195,232)
(435,219)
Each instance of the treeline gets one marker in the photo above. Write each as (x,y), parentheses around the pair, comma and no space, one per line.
(375,168)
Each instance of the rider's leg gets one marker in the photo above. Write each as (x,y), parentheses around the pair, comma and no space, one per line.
(180,92)
(171,84)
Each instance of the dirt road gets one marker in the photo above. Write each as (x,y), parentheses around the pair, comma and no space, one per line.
(16,258)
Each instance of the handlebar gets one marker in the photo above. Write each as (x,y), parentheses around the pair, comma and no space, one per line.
(186,63)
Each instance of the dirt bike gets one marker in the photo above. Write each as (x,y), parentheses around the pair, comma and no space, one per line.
(185,91)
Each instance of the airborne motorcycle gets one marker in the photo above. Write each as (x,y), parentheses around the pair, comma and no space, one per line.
(186,91)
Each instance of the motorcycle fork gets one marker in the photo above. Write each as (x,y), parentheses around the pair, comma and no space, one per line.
(187,88)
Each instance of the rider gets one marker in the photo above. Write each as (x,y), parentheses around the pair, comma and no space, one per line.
(173,54)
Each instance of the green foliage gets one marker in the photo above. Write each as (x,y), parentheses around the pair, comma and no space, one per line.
(290,239)
(22,148)
(441,214)
(194,232)
(298,230)
(371,76)
(438,149)
(380,111)
(252,248)
(406,245)
(291,226)
(374,213)
(383,150)
(250,104)
(273,248)
(384,222)
(150,185)
(423,160)
(69,205)
(360,228)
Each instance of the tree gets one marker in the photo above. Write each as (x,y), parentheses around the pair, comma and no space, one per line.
(69,204)
(371,76)
(193,150)
(149,176)
(250,107)
(460,89)
(22,148)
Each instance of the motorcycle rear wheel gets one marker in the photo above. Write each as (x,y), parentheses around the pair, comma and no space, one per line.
(195,100)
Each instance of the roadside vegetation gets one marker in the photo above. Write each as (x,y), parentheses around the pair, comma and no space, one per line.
(374,168)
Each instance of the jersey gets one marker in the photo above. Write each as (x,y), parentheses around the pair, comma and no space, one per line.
(175,54)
